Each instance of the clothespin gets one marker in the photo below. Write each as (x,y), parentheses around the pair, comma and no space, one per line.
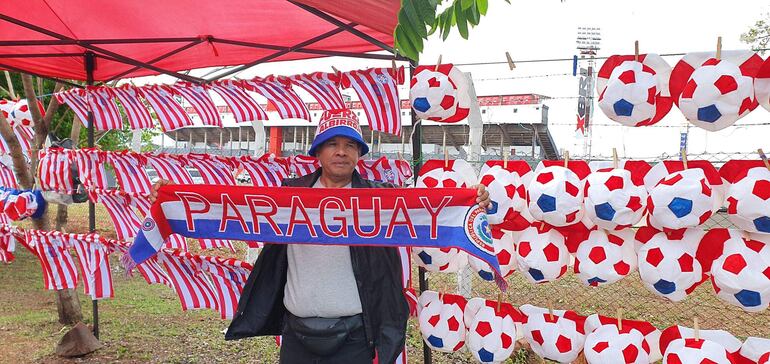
(696,328)
(499,300)
(636,51)
(394,66)
(614,158)
(566,158)
(763,157)
(684,157)
(505,159)
(620,319)
(438,63)
(719,48)
(550,310)
(336,71)
(508,58)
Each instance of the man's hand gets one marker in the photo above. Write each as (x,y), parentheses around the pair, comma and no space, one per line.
(483,196)
(154,192)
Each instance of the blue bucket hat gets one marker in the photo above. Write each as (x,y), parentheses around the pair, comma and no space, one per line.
(338,123)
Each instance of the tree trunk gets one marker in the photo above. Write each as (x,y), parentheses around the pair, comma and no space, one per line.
(67,302)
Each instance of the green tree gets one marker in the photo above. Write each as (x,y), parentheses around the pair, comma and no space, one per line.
(758,36)
(418,19)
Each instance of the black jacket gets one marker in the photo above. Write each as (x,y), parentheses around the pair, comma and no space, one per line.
(378,276)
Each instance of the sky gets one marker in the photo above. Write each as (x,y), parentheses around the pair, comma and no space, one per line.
(546,29)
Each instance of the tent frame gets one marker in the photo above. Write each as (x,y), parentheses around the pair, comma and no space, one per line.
(95,51)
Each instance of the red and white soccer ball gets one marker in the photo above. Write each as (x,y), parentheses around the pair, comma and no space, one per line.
(630,95)
(683,199)
(441,321)
(433,95)
(555,196)
(21,206)
(748,201)
(717,95)
(605,257)
(506,256)
(542,254)
(756,349)
(741,275)
(21,115)
(457,173)
(613,201)
(692,351)
(491,334)
(6,106)
(502,189)
(607,345)
(447,260)
(669,268)
(553,335)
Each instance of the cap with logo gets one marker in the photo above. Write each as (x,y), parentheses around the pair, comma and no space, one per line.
(338,123)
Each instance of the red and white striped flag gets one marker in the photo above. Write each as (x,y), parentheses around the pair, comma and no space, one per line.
(24,135)
(278,91)
(377,88)
(243,106)
(7,244)
(91,167)
(150,269)
(7,177)
(54,170)
(59,270)
(380,170)
(169,112)
(215,170)
(188,280)
(136,112)
(124,219)
(106,114)
(169,168)
(76,99)
(267,170)
(228,276)
(142,204)
(324,87)
(403,171)
(94,260)
(198,97)
(302,165)
(130,172)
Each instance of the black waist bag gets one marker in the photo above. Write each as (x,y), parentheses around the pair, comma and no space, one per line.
(323,336)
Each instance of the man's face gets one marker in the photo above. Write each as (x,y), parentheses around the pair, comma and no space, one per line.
(338,156)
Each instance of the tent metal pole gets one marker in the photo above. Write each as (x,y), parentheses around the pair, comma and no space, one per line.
(157,59)
(308,51)
(69,41)
(90,63)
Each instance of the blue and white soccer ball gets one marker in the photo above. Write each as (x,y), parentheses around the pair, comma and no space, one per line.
(491,335)
(605,257)
(447,260)
(433,95)
(669,268)
(741,275)
(556,196)
(613,201)
(683,199)
(717,95)
(748,201)
(441,321)
(542,254)
(506,256)
(629,97)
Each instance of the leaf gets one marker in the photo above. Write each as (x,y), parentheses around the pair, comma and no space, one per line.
(483,6)
(410,13)
(447,25)
(427,11)
(473,15)
(404,45)
(462,25)
(465,3)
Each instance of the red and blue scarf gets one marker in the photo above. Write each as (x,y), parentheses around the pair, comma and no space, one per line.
(416,217)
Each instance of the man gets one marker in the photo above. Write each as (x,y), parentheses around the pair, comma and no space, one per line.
(331,304)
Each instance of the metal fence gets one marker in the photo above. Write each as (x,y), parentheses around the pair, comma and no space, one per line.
(628,294)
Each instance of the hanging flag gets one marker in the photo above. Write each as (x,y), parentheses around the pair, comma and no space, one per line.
(124,219)
(198,97)
(265,171)
(54,170)
(7,177)
(377,88)
(106,114)
(302,165)
(324,87)
(94,260)
(215,170)
(136,113)
(188,280)
(130,172)
(76,99)
(243,106)
(91,171)
(7,244)
(278,91)
(169,168)
(169,112)
(286,215)
(59,270)
(150,269)
(380,170)
(228,276)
